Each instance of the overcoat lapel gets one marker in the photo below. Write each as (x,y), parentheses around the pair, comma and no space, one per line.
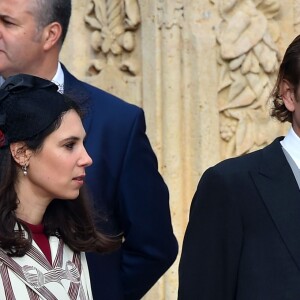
(278,188)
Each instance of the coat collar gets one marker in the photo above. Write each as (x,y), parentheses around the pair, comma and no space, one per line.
(77,91)
(279,190)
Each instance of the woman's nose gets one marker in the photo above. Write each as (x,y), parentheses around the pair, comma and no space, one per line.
(85,160)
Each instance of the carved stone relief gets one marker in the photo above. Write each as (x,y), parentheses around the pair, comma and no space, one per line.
(201,69)
(296,14)
(170,12)
(113,25)
(249,60)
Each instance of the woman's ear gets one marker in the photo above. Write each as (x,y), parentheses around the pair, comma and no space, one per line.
(288,95)
(20,153)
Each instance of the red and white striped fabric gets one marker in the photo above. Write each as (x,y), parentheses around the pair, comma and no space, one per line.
(31,277)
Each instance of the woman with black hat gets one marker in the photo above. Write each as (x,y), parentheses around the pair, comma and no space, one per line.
(46,223)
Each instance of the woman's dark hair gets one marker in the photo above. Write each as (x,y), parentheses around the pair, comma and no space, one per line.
(73,221)
(289,70)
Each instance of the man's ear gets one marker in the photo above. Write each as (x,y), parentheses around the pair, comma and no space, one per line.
(288,95)
(51,35)
(20,153)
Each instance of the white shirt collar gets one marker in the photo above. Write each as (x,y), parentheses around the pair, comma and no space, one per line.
(59,78)
(291,143)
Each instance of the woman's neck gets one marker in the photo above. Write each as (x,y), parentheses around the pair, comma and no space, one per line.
(32,206)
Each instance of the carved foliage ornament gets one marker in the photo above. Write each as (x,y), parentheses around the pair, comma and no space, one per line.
(113,23)
(249,60)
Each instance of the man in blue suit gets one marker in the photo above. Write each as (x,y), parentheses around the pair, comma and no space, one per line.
(127,190)
(242,241)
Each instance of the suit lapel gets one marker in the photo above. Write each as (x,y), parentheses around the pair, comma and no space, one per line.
(76,91)
(279,190)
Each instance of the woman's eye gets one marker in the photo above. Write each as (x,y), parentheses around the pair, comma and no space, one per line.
(70,146)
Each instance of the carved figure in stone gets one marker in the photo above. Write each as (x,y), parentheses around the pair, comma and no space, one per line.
(113,23)
(248,61)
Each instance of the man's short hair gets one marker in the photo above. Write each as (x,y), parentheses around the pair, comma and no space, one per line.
(48,11)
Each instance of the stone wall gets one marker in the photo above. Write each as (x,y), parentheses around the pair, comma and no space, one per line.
(202,71)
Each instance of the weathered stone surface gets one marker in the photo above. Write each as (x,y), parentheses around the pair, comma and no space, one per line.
(201,70)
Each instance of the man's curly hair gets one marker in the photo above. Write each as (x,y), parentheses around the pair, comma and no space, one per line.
(289,70)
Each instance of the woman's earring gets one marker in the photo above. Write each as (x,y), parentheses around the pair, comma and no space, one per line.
(24,169)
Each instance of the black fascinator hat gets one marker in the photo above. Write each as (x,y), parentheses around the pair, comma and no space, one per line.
(28,105)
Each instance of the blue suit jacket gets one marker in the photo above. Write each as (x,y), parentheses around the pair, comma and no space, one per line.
(243,237)
(128,192)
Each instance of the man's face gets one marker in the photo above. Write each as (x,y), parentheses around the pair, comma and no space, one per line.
(21,45)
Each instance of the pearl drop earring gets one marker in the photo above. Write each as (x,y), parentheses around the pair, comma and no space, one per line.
(24,169)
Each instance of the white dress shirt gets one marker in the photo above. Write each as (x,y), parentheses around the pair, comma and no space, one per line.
(59,78)
(291,143)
